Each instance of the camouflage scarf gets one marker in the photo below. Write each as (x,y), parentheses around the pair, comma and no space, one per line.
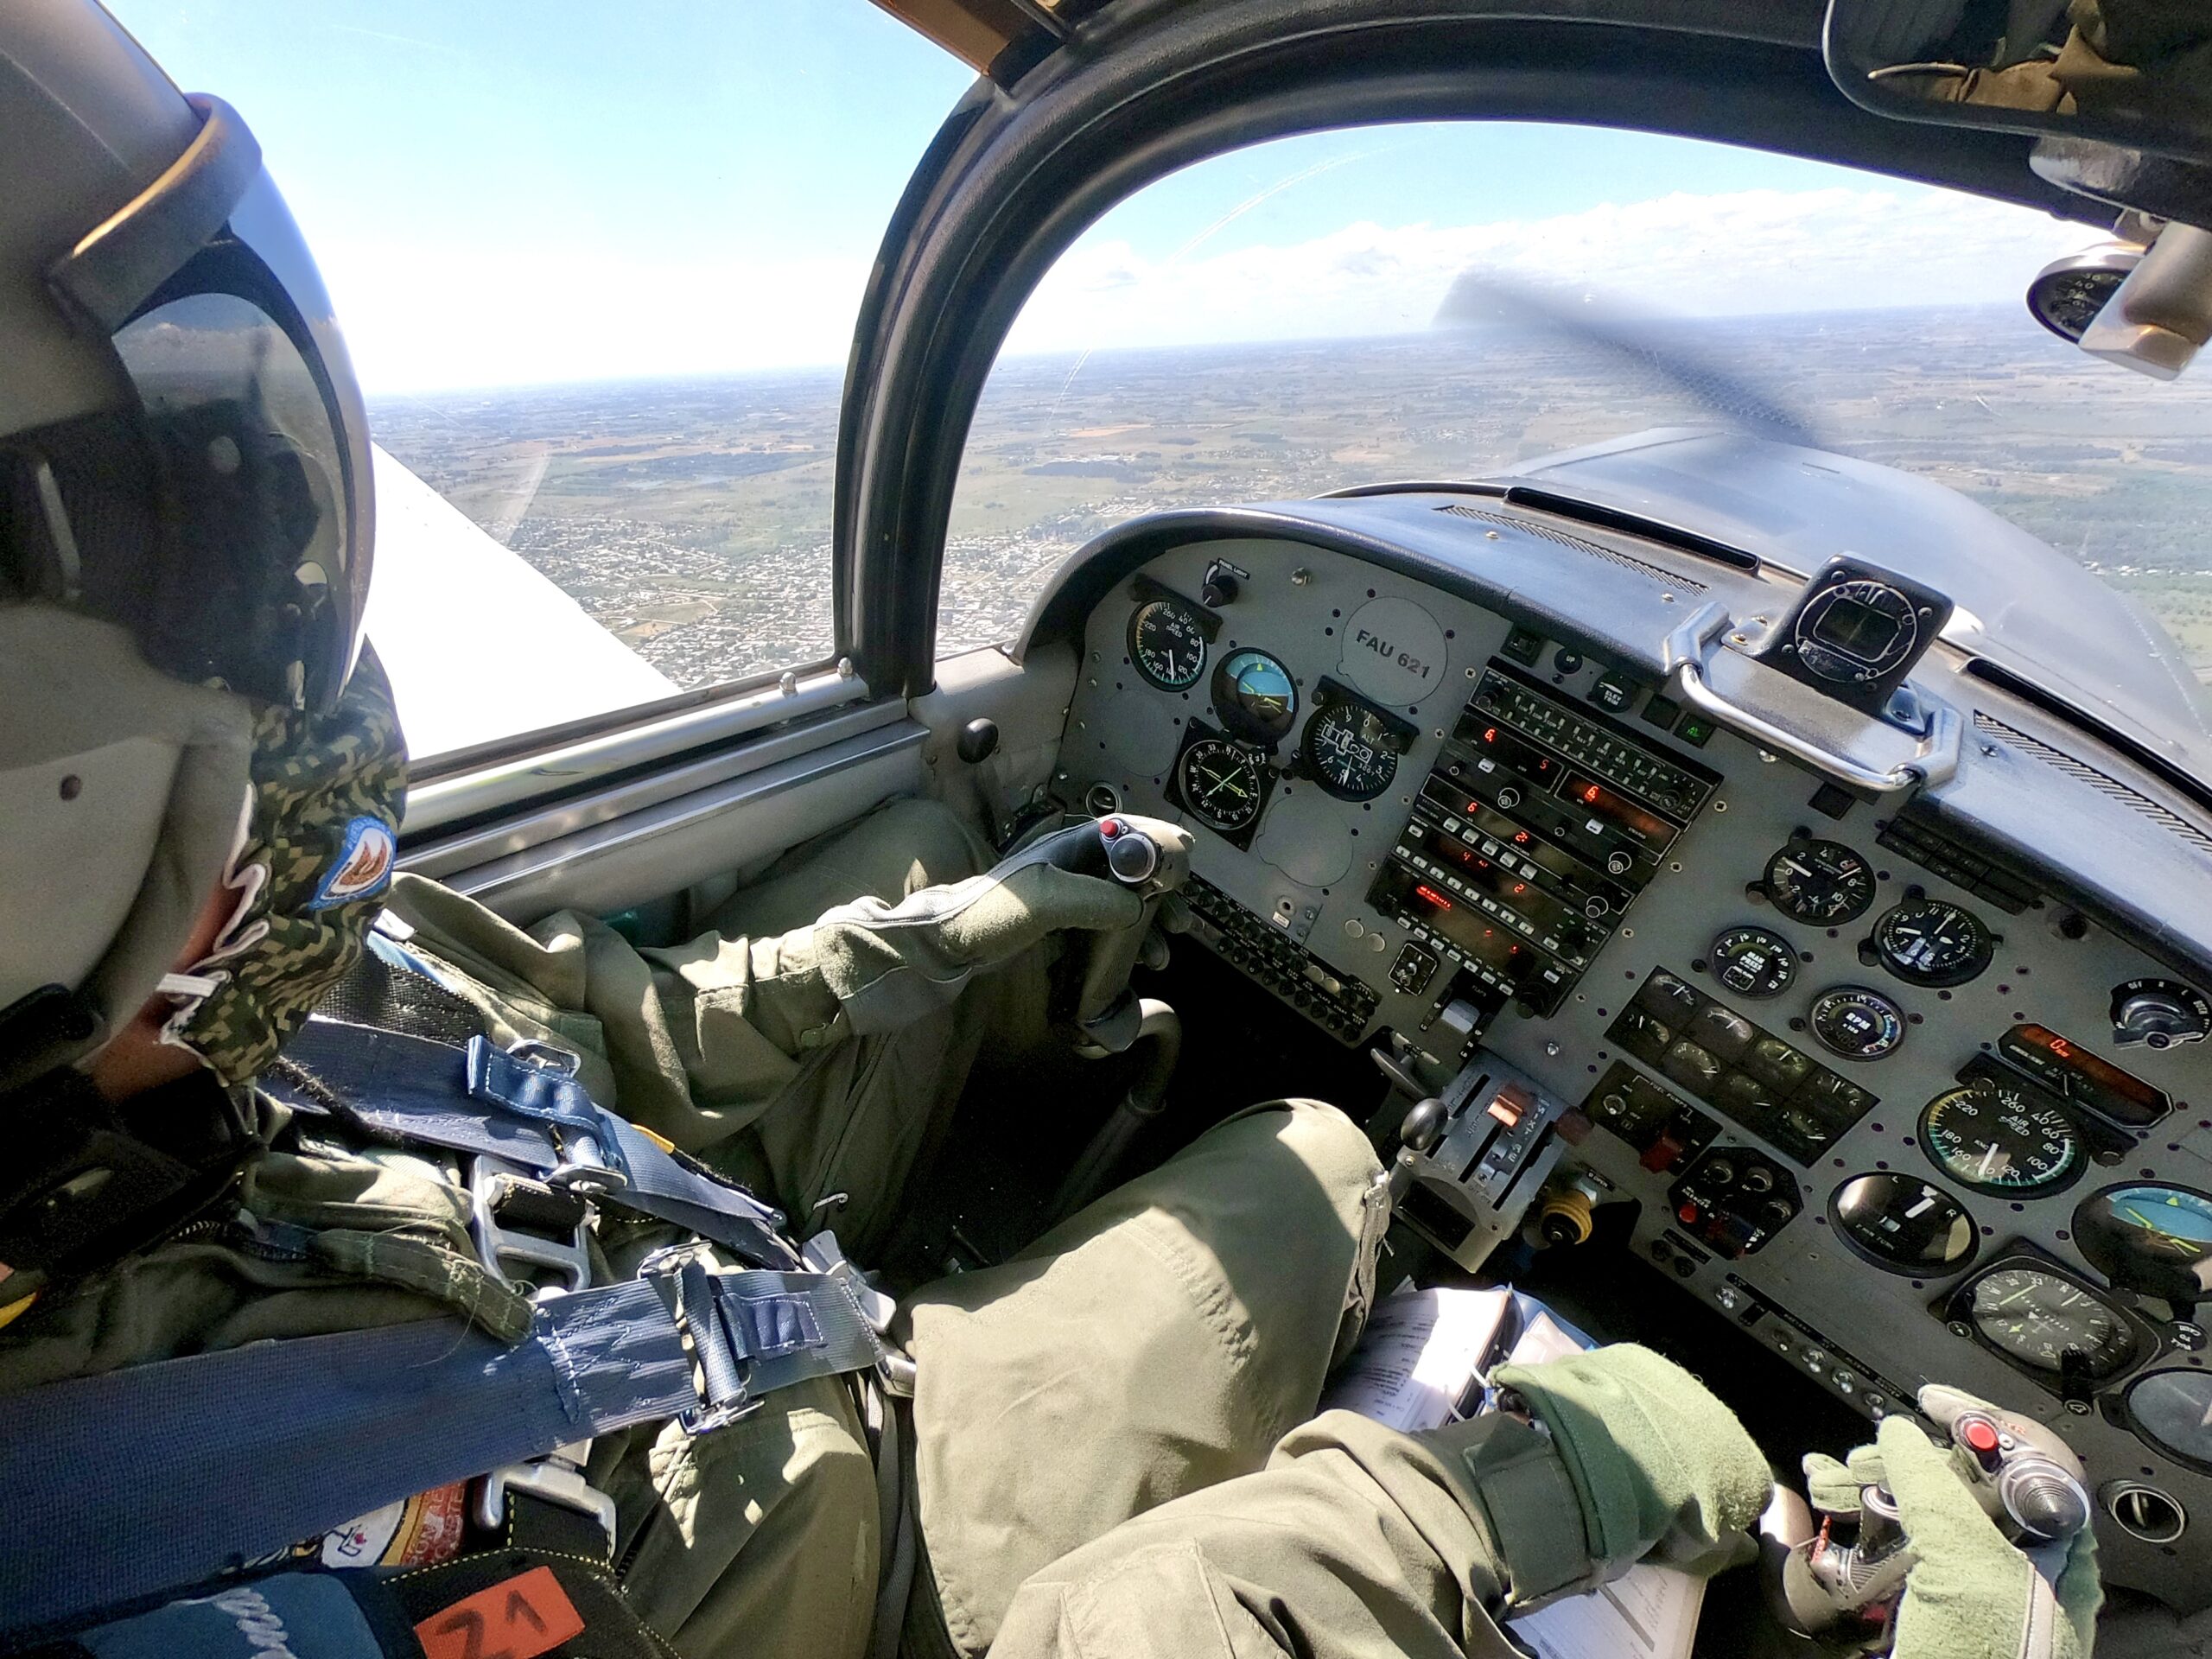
(315,854)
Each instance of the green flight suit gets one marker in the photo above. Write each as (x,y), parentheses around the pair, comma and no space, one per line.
(1148,1357)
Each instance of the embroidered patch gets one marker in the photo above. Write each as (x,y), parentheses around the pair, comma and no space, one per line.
(363,867)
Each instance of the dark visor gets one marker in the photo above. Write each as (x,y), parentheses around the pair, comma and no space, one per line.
(227,522)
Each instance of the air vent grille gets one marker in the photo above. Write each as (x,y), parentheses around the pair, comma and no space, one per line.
(1545,532)
(2111,788)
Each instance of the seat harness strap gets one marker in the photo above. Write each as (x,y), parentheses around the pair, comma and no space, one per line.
(525,1106)
(164,1475)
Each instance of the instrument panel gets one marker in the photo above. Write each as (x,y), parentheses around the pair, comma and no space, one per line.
(1904,1113)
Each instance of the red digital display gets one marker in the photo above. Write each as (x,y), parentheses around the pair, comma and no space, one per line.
(2073,1072)
(1618,810)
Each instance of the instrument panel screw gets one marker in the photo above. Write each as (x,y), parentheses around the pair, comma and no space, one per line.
(1301,577)
(1989,750)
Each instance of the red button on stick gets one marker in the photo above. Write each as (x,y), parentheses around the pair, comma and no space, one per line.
(1980,1435)
(1109,828)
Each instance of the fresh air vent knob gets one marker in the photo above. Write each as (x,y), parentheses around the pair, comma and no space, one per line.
(2144,1513)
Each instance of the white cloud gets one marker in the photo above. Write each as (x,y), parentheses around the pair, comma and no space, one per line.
(1752,251)
(423,317)
(418,319)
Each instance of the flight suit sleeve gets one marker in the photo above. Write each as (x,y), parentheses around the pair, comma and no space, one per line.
(697,1041)
(1357,1542)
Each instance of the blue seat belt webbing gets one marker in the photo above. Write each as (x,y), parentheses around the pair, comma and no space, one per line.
(160,1476)
(481,1099)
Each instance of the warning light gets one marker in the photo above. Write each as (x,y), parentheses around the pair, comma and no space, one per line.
(1592,795)
(1424,891)
(1489,734)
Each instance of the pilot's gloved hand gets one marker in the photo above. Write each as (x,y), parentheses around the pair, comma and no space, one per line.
(1661,1466)
(1969,1593)
(876,966)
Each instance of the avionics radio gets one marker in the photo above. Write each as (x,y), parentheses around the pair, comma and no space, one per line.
(1535,830)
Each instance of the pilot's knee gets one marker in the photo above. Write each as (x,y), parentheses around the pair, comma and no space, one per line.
(929,838)
(1321,1137)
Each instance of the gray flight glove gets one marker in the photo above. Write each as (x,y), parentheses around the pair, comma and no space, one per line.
(1968,1591)
(869,967)
(1661,1466)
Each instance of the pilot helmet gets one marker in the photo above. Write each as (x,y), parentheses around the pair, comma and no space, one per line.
(185,534)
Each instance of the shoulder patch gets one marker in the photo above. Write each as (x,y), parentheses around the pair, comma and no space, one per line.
(366,853)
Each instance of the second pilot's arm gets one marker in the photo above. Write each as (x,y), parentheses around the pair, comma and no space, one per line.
(1357,1542)
(808,1040)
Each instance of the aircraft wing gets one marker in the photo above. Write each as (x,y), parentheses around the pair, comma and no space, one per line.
(478,644)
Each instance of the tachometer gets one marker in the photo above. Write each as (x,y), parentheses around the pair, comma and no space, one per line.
(2149,1237)
(1823,883)
(1856,1023)
(1996,1138)
(1933,942)
(2038,1318)
(1223,783)
(1168,644)
(1751,962)
(1253,697)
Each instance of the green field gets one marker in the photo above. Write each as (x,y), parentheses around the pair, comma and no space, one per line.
(692,517)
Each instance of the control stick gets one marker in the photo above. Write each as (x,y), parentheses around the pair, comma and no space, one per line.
(1152,858)
(1844,1589)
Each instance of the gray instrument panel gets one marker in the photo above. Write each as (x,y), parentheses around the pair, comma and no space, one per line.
(1869,1334)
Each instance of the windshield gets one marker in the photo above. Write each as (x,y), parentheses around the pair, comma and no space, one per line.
(1447,303)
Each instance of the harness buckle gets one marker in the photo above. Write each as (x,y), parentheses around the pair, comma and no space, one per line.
(495,1184)
(554,1479)
(684,1274)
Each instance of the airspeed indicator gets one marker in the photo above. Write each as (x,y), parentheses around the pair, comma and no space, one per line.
(1168,644)
(1996,1138)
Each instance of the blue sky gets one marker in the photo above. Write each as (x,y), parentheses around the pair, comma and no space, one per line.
(508,192)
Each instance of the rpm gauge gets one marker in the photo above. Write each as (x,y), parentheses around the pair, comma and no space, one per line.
(1223,783)
(2149,1237)
(2039,1319)
(1823,882)
(1933,942)
(1856,1023)
(1994,1138)
(1168,644)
